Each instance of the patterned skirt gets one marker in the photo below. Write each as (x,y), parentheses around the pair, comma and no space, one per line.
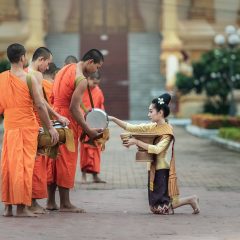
(159,200)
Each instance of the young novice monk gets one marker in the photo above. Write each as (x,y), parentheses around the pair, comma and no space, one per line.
(163,194)
(91,155)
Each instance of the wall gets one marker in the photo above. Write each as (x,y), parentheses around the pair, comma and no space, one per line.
(145,79)
(62,45)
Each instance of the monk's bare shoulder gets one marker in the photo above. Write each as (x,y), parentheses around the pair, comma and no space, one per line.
(37,75)
(34,80)
(83,82)
(81,87)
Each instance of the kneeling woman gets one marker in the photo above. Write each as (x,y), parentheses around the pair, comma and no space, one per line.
(163,194)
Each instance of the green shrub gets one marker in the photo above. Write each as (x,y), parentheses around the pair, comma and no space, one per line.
(216,107)
(184,83)
(4,65)
(230,133)
(212,74)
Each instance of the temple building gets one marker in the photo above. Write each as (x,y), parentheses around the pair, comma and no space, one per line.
(143,42)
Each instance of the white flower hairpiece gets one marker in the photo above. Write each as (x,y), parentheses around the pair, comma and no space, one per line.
(160,101)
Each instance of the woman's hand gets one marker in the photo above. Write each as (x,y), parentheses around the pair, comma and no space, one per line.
(130,142)
(110,118)
(119,122)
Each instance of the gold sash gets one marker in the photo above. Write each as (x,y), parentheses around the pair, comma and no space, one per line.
(173,190)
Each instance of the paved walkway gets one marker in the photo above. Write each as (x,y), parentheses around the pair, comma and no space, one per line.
(199,164)
(119,209)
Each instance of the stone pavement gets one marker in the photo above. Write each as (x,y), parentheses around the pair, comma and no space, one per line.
(119,209)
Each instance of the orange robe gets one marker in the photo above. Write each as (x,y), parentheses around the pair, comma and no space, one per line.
(42,163)
(66,162)
(19,141)
(48,87)
(90,156)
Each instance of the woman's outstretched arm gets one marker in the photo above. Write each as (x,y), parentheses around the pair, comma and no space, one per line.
(119,122)
(137,128)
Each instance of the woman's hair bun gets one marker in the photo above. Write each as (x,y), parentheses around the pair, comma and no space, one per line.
(164,98)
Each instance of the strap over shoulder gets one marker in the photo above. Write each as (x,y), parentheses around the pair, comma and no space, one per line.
(78,80)
(29,84)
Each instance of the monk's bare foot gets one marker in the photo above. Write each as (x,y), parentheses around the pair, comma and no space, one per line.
(71,208)
(36,208)
(84,182)
(97,179)
(84,178)
(52,207)
(8,211)
(195,205)
(24,212)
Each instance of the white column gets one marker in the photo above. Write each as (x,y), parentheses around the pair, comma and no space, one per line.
(172,67)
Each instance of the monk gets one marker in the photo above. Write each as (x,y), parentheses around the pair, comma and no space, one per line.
(68,88)
(20,132)
(49,76)
(90,156)
(48,79)
(40,172)
(70,59)
(41,59)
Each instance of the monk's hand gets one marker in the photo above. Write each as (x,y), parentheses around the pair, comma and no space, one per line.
(94,134)
(54,135)
(130,142)
(63,120)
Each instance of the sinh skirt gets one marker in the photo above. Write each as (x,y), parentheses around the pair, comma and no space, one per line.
(159,200)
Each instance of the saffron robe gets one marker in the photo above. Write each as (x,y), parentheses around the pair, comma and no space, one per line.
(43,164)
(90,156)
(19,141)
(66,162)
